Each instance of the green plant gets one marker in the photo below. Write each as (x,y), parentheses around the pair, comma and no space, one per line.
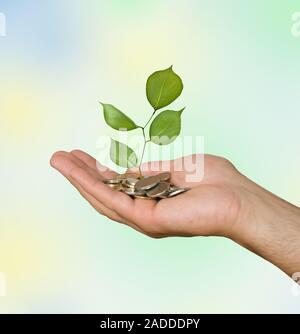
(162,88)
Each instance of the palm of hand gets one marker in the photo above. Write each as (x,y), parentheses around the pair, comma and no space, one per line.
(210,207)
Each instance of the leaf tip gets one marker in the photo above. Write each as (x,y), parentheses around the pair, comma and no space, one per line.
(181,110)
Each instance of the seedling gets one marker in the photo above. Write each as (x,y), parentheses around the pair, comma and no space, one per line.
(162,88)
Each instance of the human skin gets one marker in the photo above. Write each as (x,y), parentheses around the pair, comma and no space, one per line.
(223,203)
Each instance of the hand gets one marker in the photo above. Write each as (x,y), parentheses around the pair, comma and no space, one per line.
(223,203)
(210,207)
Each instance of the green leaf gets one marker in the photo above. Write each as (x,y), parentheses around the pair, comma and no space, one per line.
(163,87)
(122,155)
(117,119)
(165,127)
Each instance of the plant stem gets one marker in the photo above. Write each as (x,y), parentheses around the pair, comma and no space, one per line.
(145,141)
(154,111)
(143,152)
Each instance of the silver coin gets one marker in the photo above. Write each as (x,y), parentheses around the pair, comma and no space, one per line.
(126,185)
(166,195)
(133,192)
(147,183)
(176,191)
(131,181)
(165,176)
(128,191)
(159,190)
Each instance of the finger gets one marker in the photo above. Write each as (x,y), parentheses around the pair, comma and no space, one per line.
(107,212)
(96,204)
(102,209)
(116,201)
(64,163)
(86,158)
(81,164)
(77,161)
(140,205)
(94,164)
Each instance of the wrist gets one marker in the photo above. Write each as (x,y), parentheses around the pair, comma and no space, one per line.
(269,226)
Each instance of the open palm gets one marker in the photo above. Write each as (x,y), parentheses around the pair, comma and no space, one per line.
(211,206)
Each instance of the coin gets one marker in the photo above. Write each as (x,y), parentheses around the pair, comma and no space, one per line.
(126,185)
(141,197)
(133,192)
(117,186)
(160,190)
(176,191)
(145,187)
(147,183)
(112,181)
(164,196)
(131,181)
(128,191)
(165,176)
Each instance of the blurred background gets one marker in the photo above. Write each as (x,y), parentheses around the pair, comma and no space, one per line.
(240,65)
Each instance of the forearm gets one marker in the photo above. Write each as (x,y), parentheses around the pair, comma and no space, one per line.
(270,228)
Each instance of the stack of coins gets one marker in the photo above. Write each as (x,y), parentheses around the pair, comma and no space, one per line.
(147,187)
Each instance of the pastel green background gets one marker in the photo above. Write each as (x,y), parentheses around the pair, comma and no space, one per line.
(240,66)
